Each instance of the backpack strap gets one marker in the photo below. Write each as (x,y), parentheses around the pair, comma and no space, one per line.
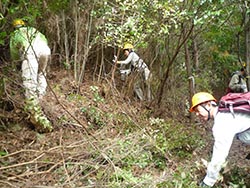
(231,109)
(239,79)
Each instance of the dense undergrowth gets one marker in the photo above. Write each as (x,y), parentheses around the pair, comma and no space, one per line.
(103,140)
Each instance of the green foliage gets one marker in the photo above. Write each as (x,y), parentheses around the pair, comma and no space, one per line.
(94,115)
(57,6)
(177,139)
(134,21)
(66,65)
(238,178)
(37,117)
(28,11)
(128,125)
(223,65)
(3,153)
(126,178)
(2,37)
(133,154)
(75,97)
(221,38)
(95,91)
(182,178)
(131,157)
(203,82)
(154,24)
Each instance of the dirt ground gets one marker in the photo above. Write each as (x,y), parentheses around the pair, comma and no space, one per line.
(32,157)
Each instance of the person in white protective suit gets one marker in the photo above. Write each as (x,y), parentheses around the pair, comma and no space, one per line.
(226,127)
(30,47)
(137,66)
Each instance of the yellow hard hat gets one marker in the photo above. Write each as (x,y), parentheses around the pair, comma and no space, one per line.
(128,46)
(244,65)
(18,23)
(200,98)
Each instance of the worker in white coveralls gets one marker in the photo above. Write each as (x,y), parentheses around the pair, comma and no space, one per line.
(138,67)
(30,47)
(226,127)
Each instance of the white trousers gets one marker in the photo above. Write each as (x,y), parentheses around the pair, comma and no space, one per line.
(33,70)
(244,137)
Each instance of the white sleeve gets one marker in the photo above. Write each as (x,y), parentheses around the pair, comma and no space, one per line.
(127,60)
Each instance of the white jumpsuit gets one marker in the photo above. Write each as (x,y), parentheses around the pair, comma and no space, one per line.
(30,46)
(140,67)
(225,128)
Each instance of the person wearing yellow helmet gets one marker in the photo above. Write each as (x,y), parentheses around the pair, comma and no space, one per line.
(128,46)
(30,46)
(226,126)
(18,23)
(198,101)
(139,66)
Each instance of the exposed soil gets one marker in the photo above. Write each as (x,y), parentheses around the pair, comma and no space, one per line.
(38,160)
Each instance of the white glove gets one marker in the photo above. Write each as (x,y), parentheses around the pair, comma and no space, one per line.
(115,58)
(125,71)
(244,88)
(146,73)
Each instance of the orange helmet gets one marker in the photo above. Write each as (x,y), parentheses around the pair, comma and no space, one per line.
(200,98)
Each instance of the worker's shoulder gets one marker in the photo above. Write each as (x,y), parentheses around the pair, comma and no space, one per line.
(27,30)
(235,74)
(134,54)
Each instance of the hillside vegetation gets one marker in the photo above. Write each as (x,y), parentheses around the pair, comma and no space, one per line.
(103,135)
(102,141)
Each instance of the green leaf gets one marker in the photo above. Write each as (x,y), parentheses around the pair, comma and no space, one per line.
(3,153)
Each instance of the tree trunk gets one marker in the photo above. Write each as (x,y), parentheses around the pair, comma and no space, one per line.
(76,21)
(196,54)
(87,47)
(163,82)
(189,73)
(66,44)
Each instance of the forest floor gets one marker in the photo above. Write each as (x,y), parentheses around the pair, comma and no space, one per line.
(85,131)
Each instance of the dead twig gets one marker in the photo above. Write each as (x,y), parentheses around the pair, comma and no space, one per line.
(36,173)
